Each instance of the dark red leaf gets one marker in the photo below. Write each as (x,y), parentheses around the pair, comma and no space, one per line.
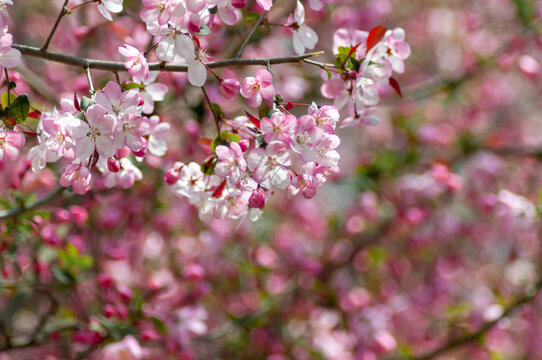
(395,85)
(253,119)
(375,36)
(76,102)
(218,192)
(34,115)
(196,40)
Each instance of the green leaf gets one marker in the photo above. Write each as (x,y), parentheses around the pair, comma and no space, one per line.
(159,325)
(252,16)
(329,74)
(263,111)
(130,86)
(5,98)
(62,276)
(85,103)
(19,108)
(204,31)
(218,110)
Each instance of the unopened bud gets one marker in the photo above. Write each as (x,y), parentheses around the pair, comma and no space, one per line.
(113,165)
(257,200)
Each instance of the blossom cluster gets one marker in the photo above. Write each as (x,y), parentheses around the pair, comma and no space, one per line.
(101,132)
(365,63)
(278,152)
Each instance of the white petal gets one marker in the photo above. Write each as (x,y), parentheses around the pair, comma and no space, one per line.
(197,73)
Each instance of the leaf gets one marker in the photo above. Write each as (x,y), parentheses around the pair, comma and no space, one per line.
(375,36)
(218,110)
(395,85)
(203,31)
(5,98)
(19,108)
(76,102)
(159,325)
(86,102)
(218,192)
(353,50)
(252,16)
(130,86)
(329,74)
(253,119)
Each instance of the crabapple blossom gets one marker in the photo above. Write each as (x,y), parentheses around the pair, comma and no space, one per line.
(106,7)
(157,131)
(304,36)
(96,135)
(9,57)
(231,161)
(150,91)
(258,87)
(271,164)
(135,61)
(130,132)
(277,127)
(78,176)
(10,143)
(229,88)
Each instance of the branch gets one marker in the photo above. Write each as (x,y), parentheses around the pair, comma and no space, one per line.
(247,40)
(53,30)
(161,66)
(17,211)
(463,340)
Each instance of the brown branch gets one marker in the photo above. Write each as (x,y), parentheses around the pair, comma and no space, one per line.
(44,200)
(53,30)
(161,66)
(466,339)
(247,40)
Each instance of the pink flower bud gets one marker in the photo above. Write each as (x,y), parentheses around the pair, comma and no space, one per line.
(62,215)
(244,144)
(171,176)
(113,165)
(257,200)
(194,272)
(109,311)
(105,281)
(229,88)
(148,335)
(238,4)
(79,215)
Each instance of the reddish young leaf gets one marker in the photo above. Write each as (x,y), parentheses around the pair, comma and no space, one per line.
(395,85)
(353,50)
(375,36)
(218,192)
(34,115)
(76,102)
(205,141)
(253,119)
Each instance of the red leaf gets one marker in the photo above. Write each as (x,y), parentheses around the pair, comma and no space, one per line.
(375,36)
(253,119)
(196,40)
(34,115)
(353,50)
(76,102)
(218,192)
(205,141)
(395,85)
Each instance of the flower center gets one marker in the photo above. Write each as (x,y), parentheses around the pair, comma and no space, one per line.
(271,162)
(93,133)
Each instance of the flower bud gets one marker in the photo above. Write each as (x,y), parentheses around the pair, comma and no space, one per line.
(109,311)
(257,199)
(244,144)
(238,4)
(113,165)
(171,176)
(229,88)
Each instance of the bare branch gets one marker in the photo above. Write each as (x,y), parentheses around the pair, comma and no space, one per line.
(44,200)
(247,40)
(53,30)
(161,66)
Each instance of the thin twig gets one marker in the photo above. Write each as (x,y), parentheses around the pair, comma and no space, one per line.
(466,339)
(8,86)
(89,79)
(249,37)
(44,200)
(215,115)
(53,30)
(161,66)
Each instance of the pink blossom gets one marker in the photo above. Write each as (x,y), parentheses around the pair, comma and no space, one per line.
(106,7)
(9,57)
(96,135)
(127,349)
(150,91)
(130,132)
(10,143)
(278,127)
(265,4)
(78,176)
(304,36)
(229,88)
(157,10)
(135,61)
(231,161)
(270,164)
(254,88)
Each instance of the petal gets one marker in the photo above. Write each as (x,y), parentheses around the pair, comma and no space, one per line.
(197,73)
